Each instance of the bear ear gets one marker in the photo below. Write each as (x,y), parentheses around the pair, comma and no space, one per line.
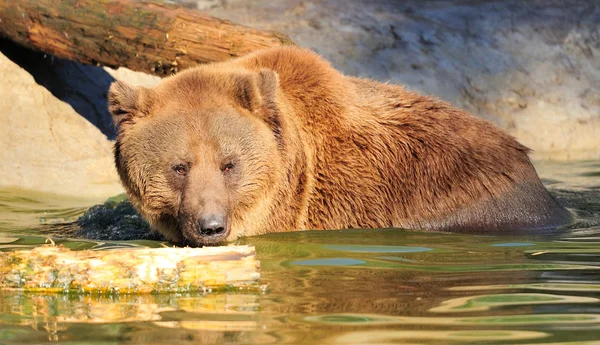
(268,82)
(257,90)
(125,102)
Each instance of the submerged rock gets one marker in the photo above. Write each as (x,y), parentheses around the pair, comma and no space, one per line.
(115,220)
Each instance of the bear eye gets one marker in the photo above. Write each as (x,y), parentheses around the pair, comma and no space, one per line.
(227,168)
(180,169)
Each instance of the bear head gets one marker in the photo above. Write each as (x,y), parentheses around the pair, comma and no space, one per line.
(198,154)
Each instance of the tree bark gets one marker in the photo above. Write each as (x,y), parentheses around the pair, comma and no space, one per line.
(148,36)
(54,269)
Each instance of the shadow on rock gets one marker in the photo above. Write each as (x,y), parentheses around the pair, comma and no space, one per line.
(84,87)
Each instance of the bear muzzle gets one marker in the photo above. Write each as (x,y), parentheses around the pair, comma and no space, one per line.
(212,225)
(206,230)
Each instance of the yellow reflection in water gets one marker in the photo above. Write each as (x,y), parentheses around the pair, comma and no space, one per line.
(394,337)
(235,309)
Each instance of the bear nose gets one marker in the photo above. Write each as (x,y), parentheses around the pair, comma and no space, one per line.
(212,225)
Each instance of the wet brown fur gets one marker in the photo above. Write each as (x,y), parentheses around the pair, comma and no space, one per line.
(339,152)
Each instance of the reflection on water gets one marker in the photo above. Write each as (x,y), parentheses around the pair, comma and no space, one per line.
(38,212)
(344,287)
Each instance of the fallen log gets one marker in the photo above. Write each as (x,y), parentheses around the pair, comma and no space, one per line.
(149,36)
(55,269)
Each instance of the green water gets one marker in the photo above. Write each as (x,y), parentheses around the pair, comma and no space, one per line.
(343,287)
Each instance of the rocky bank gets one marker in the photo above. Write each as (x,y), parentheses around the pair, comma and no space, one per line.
(57,133)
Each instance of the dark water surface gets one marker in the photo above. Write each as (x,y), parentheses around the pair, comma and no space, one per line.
(343,287)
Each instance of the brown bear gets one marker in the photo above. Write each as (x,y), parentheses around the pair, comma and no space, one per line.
(279,141)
